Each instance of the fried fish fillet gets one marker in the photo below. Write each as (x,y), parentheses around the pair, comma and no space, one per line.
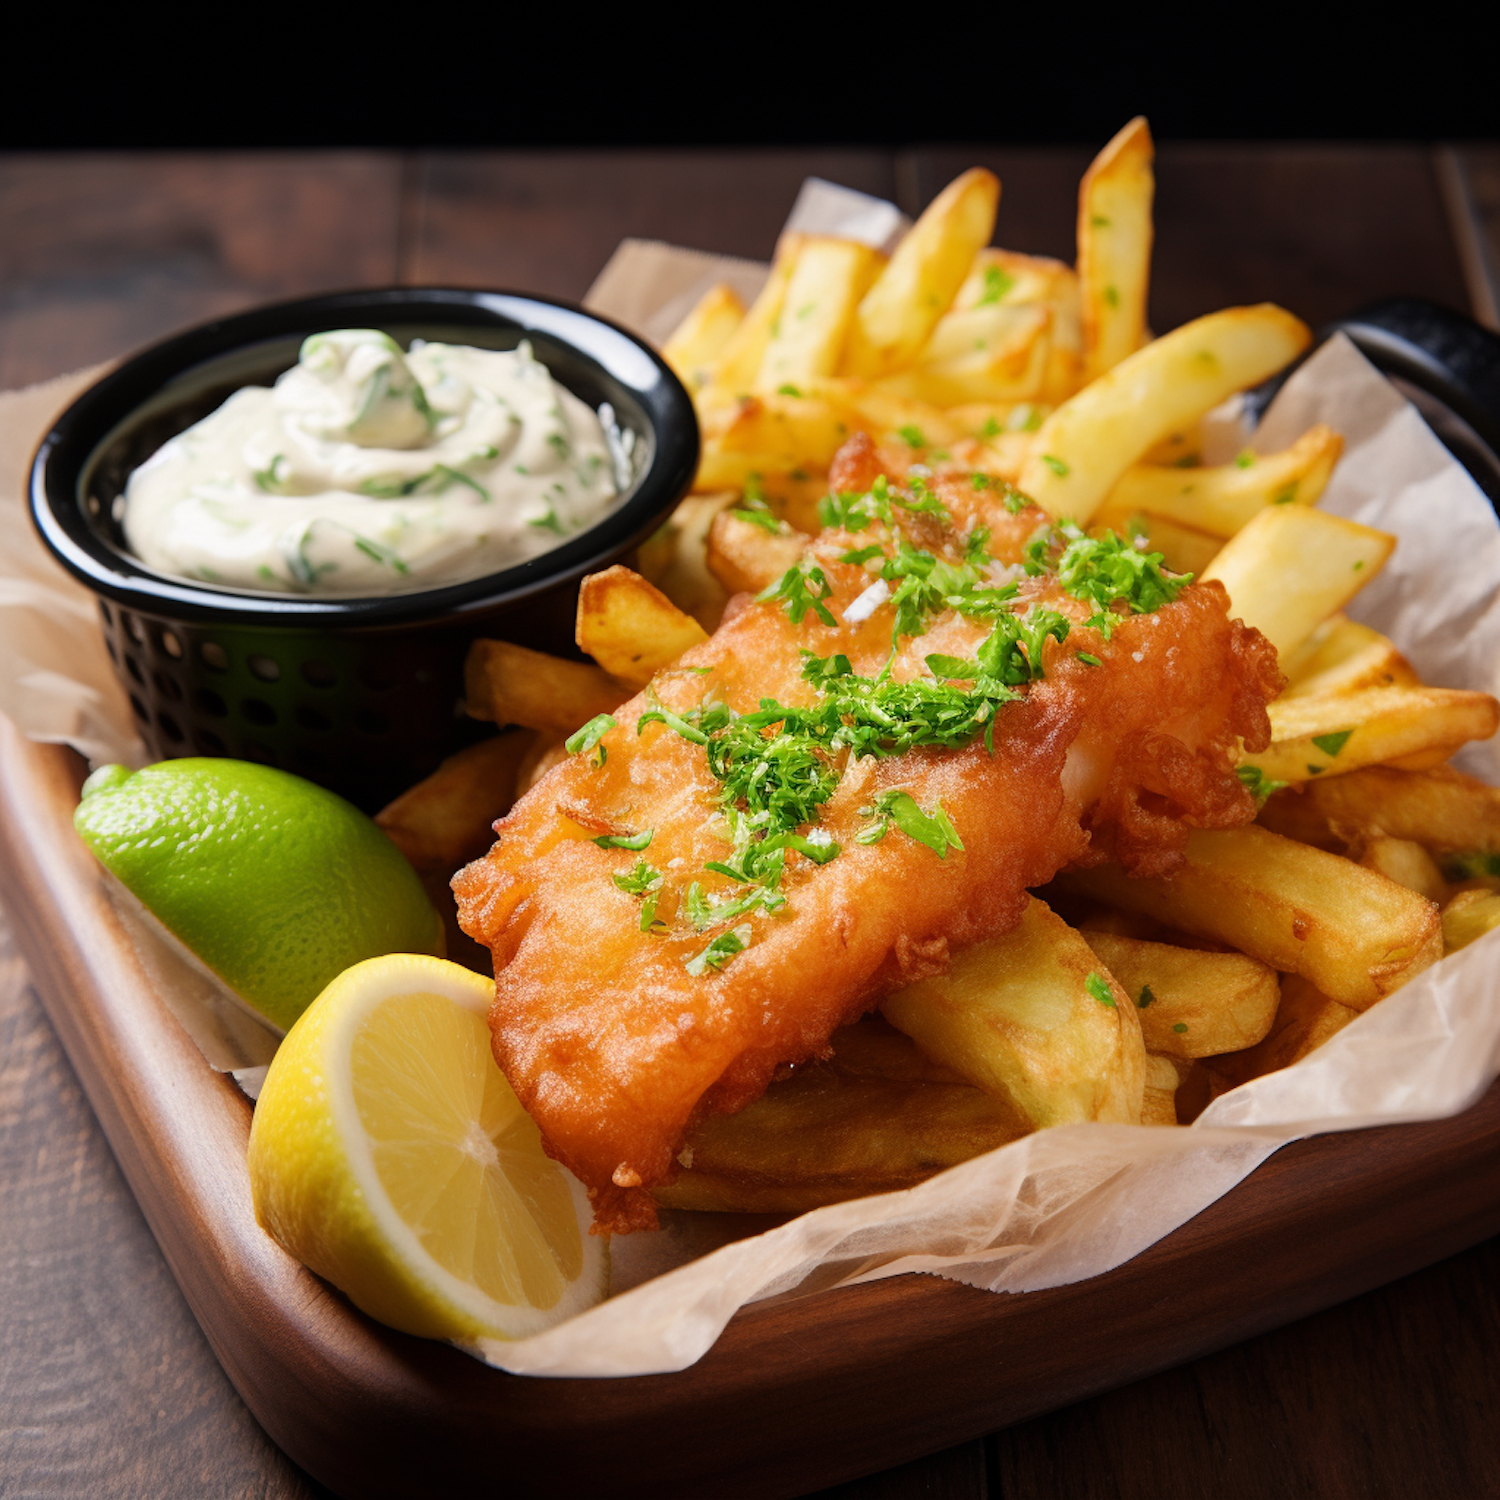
(617,1047)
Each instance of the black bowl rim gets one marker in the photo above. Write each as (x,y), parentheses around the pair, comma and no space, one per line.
(68,447)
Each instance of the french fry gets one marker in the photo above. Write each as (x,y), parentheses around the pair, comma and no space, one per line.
(1305,1020)
(631,628)
(988,354)
(1342,656)
(788,430)
(1191,1003)
(510,684)
(1160,1105)
(1468,916)
(699,340)
(1406,863)
(1301,910)
(1084,447)
(1223,498)
(1030,1017)
(1290,568)
(745,558)
(1006,278)
(1451,815)
(828,278)
(447,818)
(898,313)
(876,1117)
(883,412)
(719,471)
(685,578)
(739,363)
(1114,248)
(1340,733)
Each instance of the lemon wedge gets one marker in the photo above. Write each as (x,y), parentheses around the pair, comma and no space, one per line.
(389,1155)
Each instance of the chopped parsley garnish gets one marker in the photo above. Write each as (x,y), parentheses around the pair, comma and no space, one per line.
(1146,997)
(911,435)
(1103,571)
(1089,659)
(1477,865)
(640,881)
(794,592)
(990,429)
(1112,295)
(1096,985)
(720,951)
(758,513)
(1180,1026)
(1286,494)
(996,284)
(1056,464)
(1331,744)
(589,736)
(1244,459)
(934,829)
(632,841)
(1257,783)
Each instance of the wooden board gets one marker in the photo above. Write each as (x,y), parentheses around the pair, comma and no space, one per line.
(794,1395)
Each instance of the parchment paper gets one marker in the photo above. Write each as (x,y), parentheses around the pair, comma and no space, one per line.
(1059,1205)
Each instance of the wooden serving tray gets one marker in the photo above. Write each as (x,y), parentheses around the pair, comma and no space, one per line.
(796,1394)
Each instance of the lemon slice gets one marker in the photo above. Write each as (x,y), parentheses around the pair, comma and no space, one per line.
(389,1155)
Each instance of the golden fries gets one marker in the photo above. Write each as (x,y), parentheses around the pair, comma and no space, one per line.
(1084,447)
(1300,910)
(630,628)
(702,336)
(1341,656)
(510,684)
(1222,499)
(1032,1017)
(898,313)
(1191,1003)
(745,557)
(806,340)
(1330,734)
(1114,248)
(1290,568)
(876,1117)
(1305,1019)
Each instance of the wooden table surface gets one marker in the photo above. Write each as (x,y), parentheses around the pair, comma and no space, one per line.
(107,1387)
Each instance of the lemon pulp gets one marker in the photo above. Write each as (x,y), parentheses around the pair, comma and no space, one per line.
(389,1155)
(459,1159)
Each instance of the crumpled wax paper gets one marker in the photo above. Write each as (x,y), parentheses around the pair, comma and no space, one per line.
(1056,1206)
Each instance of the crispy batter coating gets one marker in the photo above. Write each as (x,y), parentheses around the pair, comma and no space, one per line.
(616,1050)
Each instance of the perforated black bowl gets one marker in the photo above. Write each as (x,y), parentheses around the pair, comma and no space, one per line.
(360,694)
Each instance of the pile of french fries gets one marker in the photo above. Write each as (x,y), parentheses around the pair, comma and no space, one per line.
(1116,999)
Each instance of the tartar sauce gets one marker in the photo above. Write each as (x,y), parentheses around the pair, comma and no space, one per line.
(369,471)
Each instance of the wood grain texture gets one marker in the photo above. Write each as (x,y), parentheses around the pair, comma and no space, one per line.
(801,1392)
(548,221)
(103,253)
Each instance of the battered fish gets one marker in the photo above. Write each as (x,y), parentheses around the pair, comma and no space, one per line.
(625,1010)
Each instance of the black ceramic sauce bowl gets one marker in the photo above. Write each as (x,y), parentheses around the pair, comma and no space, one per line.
(362,695)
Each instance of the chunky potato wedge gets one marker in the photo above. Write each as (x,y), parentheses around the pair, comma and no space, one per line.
(746,558)
(1406,863)
(898,313)
(510,684)
(448,817)
(875,1117)
(1290,568)
(807,338)
(783,430)
(1007,278)
(1305,1019)
(684,577)
(1032,1018)
(1191,1003)
(739,362)
(630,627)
(1338,733)
(1451,815)
(1342,656)
(1160,1104)
(1468,916)
(701,338)
(1354,934)
(1114,248)
(1223,498)
(1084,447)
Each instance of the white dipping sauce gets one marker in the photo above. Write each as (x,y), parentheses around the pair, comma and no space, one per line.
(366,471)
